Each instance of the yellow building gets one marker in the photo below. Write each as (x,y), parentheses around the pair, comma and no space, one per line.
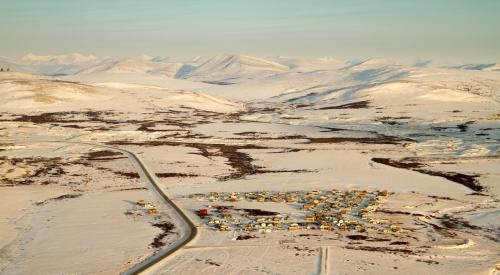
(311,218)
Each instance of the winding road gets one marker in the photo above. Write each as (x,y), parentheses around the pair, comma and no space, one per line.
(186,226)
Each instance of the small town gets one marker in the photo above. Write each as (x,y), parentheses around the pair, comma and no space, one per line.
(250,137)
(316,210)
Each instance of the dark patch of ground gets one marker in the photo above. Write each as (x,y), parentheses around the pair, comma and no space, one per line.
(103,155)
(354,105)
(398,212)
(399,243)
(258,136)
(147,126)
(429,262)
(357,237)
(257,212)
(460,127)
(440,229)
(67,117)
(385,249)
(477,194)
(366,140)
(245,237)
(63,197)
(464,126)
(218,83)
(130,189)
(303,105)
(42,167)
(74,126)
(441,198)
(456,223)
(184,119)
(167,229)
(209,262)
(469,181)
(392,120)
(130,175)
(175,175)
(240,162)
(398,164)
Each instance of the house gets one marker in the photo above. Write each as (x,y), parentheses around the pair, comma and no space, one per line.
(141,203)
(311,218)
(152,211)
(308,207)
(277,219)
(313,226)
(203,212)
(293,226)
(319,214)
(290,199)
(223,227)
(324,227)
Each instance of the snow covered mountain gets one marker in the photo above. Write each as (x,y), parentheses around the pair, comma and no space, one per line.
(321,81)
(73,64)
(372,94)
(73,58)
(20,91)
(491,67)
(226,69)
(55,65)
(309,64)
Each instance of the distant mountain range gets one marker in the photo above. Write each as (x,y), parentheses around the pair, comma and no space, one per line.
(219,69)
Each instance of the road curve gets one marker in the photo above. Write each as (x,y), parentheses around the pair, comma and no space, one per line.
(184,223)
(190,230)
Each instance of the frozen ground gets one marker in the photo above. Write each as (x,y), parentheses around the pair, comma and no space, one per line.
(430,136)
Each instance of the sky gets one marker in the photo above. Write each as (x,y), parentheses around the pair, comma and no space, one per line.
(447,30)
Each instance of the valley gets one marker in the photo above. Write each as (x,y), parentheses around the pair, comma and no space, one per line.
(246,133)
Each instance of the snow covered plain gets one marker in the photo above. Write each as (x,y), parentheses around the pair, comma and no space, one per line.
(233,123)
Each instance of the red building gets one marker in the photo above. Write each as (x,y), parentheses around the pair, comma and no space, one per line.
(203,212)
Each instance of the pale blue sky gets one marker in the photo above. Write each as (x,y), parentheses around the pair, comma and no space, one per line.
(452,30)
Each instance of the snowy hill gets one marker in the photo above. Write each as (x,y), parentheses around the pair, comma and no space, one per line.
(233,68)
(279,79)
(19,91)
(141,64)
(373,94)
(55,65)
(73,58)
(24,91)
(490,67)
(309,64)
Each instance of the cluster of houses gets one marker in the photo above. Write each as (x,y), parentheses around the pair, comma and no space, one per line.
(323,210)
